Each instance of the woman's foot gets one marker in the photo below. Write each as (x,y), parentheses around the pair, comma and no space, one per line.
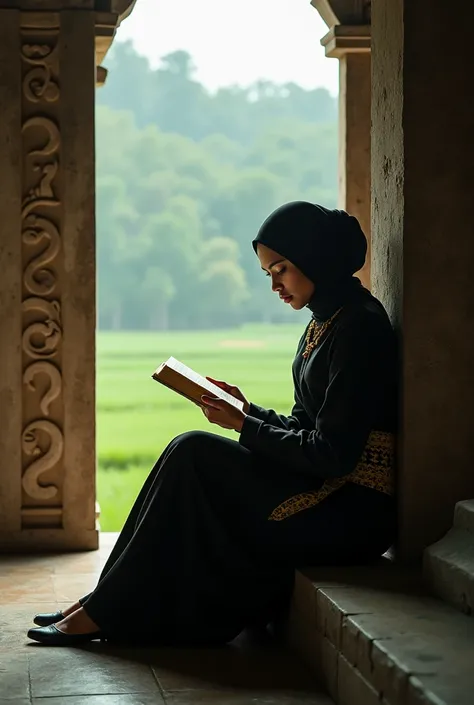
(45,619)
(77,622)
(73,608)
(77,628)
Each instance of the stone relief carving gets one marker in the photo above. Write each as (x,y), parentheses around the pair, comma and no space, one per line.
(48,329)
(42,194)
(54,139)
(44,188)
(48,459)
(42,439)
(38,84)
(55,382)
(38,278)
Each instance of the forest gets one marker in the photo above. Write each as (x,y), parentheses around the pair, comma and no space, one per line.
(185,177)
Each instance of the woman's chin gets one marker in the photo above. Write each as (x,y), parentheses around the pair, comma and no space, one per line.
(296,304)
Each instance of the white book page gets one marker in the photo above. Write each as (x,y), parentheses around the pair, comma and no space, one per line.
(213,389)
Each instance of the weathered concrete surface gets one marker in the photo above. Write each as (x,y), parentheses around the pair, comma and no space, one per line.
(449,563)
(423,250)
(374,635)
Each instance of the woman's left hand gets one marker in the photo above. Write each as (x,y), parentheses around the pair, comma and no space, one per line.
(223,414)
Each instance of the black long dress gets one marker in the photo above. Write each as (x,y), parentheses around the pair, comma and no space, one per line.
(210,545)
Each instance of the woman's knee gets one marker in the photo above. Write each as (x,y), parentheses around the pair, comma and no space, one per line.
(192,441)
(185,443)
(187,446)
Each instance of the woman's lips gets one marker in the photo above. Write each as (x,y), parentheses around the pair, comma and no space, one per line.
(286,299)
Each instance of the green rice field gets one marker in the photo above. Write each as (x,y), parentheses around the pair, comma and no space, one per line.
(137,417)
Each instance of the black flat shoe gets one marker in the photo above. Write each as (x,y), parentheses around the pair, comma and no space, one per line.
(47,618)
(52,636)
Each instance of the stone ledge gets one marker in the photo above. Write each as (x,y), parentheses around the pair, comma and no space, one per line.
(449,563)
(341,40)
(374,635)
(49,540)
(464,516)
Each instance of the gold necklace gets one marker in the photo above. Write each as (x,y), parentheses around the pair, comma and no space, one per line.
(315,332)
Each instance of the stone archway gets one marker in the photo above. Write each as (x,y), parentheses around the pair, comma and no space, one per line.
(49,63)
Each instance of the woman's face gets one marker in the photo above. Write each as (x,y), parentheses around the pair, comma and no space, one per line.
(287,280)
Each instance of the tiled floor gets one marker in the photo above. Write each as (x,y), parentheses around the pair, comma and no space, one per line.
(247,672)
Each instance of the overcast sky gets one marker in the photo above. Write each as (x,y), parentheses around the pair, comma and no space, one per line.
(236,42)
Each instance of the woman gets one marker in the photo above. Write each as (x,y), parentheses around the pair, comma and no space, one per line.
(213,539)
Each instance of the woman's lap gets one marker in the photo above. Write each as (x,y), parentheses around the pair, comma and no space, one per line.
(198,556)
(243,488)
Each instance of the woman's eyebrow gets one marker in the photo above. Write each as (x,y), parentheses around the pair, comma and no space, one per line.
(277,261)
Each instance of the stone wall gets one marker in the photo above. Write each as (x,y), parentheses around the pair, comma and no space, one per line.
(423,250)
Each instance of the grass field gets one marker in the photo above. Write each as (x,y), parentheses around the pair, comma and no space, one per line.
(137,417)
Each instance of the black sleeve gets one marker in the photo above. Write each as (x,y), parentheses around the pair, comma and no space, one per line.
(298,418)
(356,370)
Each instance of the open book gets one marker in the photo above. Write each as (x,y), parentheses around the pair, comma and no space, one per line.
(190,384)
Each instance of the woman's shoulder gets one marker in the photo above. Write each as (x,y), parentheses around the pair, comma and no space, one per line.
(365,309)
(365,318)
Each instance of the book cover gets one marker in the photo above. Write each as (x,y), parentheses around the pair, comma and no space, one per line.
(191,385)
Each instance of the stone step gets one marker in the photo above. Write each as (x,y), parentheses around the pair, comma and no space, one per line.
(464,516)
(375,637)
(449,563)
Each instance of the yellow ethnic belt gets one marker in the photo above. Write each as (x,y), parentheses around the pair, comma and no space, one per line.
(374,470)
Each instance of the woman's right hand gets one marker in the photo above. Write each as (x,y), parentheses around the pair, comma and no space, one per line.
(232,390)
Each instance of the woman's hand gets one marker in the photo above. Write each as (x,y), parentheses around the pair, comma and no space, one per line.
(223,414)
(233,391)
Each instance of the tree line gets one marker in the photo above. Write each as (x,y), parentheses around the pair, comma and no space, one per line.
(184,179)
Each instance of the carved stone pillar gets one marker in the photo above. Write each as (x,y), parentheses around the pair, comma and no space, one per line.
(47,281)
(351,45)
(349,41)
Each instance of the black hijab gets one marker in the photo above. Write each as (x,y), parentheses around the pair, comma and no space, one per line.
(328,246)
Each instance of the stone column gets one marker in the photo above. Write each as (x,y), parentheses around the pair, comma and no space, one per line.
(47,282)
(351,45)
(423,250)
